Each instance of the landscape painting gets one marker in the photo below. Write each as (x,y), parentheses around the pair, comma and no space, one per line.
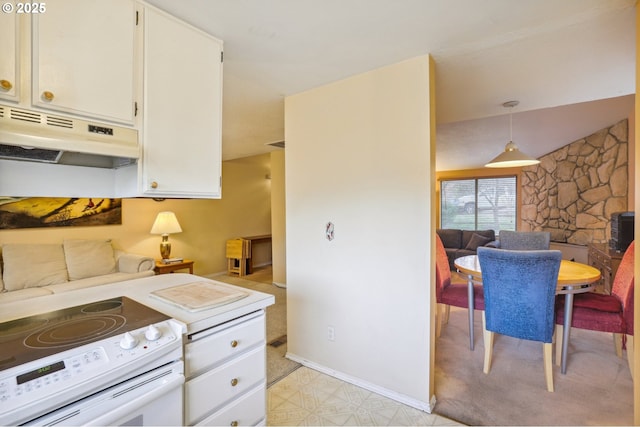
(33,212)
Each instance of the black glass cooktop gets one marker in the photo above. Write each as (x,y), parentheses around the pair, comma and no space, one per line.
(34,337)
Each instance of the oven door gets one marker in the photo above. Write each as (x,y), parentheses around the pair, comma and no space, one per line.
(153,398)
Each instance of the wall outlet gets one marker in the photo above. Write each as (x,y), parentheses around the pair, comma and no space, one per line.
(331,333)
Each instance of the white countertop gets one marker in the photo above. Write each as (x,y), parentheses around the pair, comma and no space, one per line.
(139,290)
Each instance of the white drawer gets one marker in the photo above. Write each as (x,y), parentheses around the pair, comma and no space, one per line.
(210,350)
(210,391)
(248,410)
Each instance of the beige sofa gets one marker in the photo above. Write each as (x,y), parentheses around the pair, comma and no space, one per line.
(30,270)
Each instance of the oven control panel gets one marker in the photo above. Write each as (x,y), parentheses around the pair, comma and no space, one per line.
(52,375)
(102,362)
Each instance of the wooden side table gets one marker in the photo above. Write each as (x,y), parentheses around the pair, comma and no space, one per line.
(162,268)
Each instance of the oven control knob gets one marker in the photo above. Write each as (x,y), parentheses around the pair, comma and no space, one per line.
(152,333)
(128,341)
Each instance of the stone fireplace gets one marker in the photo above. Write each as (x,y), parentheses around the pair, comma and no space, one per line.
(575,189)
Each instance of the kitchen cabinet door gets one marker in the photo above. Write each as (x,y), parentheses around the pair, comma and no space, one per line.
(9,73)
(182,109)
(83,58)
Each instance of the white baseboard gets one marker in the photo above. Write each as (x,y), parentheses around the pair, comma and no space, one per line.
(393,395)
(280,285)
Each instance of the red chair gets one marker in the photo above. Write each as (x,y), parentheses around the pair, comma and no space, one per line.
(605,313)
(447,293)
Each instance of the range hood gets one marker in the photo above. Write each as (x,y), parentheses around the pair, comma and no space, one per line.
(33,136)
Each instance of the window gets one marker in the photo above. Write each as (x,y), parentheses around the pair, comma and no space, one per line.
(478,204)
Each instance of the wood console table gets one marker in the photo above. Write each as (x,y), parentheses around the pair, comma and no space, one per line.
(262,238)
(607,261)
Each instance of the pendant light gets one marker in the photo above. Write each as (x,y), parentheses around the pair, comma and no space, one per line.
(511,157)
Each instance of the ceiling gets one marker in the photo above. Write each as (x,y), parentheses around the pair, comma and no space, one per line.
(569,63)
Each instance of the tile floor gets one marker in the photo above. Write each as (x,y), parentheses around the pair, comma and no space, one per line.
(308,397)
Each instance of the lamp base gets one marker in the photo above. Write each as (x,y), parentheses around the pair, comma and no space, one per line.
(165,247)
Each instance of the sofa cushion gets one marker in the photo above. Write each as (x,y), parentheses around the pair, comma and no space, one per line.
(477,240)
(96,281)
(468,234)
(33,265)
(451,238)
(88,258)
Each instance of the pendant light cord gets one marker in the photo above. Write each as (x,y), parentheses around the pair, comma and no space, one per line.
(511,125)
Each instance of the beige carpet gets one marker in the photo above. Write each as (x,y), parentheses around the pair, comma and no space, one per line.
(596,390)
(278,366)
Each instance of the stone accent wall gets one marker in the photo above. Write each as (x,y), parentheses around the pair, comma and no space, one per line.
(574,190)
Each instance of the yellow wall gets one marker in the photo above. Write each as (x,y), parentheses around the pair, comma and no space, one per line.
(278,216)
(243,210)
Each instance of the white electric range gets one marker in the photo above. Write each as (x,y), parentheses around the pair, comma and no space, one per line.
(109,362)
(190,324)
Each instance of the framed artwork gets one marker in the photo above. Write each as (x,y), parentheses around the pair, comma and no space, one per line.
(34,212)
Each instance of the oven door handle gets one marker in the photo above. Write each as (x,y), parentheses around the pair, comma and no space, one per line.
(122,411)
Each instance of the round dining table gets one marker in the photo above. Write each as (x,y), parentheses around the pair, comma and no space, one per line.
(573,278)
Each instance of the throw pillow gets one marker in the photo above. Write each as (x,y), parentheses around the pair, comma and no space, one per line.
(33,265)
(477,240)
(89,258)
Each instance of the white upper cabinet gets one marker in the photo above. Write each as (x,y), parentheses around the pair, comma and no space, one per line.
(83,58)
(182,109)
(9,72)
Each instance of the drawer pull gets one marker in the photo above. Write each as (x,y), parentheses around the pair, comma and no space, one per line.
(47,96)
(6,84)
(234,423)
(234,382)
(234,343)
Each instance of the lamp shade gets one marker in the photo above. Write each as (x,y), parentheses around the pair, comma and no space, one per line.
(511,157)
(166,223)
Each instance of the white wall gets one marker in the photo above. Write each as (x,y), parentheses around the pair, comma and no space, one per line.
(360,154)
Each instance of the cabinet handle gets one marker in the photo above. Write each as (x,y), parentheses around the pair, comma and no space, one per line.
(6,84)
(47,96)
(234,424)
(154,184)
(234,343)
(234,382)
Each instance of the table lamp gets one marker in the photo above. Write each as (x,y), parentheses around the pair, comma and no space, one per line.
(166,223)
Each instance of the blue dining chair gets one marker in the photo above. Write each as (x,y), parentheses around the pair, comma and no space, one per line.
(524,240)
(519,298)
